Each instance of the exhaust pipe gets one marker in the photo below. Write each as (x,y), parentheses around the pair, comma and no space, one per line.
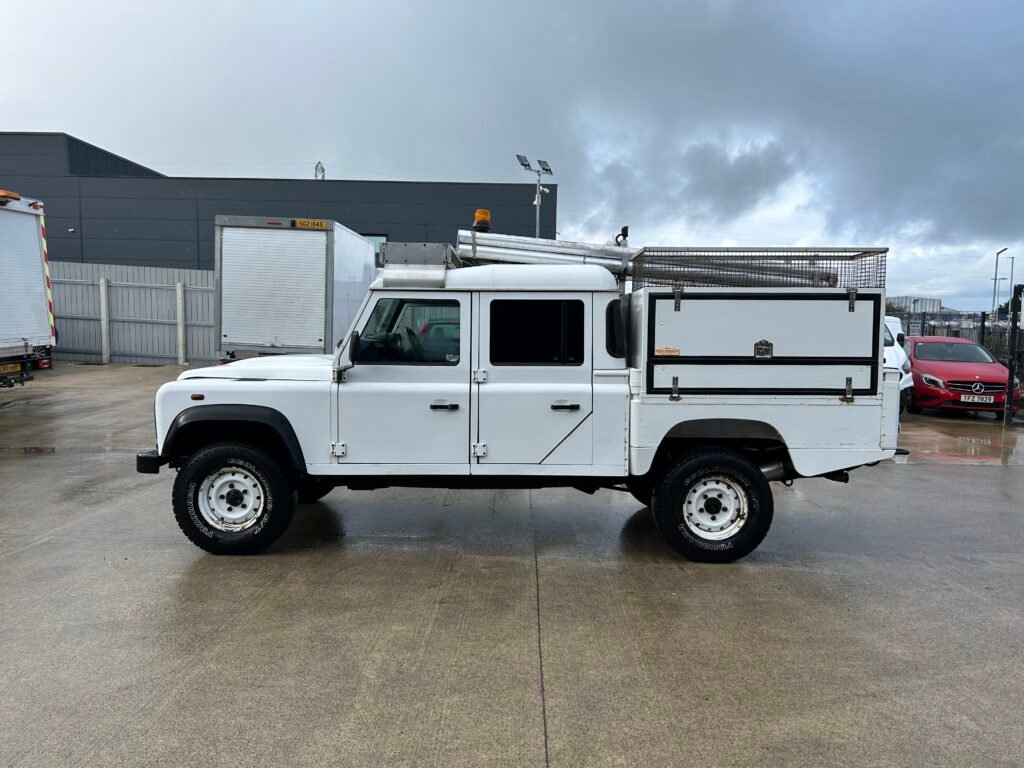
(774,470)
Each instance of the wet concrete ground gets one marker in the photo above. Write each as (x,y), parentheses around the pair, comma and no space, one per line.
(879,624)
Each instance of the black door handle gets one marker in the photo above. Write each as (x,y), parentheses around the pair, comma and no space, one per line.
(444,406)
(565,406)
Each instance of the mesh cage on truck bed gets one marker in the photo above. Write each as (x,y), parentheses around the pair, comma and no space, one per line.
(760,267)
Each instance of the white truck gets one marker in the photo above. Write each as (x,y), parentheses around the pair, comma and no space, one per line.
(27,332)
(286,285)
(718,371)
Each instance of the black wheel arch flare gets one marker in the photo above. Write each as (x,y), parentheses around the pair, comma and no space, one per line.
(248,414)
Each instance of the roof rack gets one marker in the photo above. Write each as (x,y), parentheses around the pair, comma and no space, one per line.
(689,266)
(760,267)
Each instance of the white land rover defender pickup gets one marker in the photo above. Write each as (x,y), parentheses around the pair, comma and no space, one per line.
(690,378)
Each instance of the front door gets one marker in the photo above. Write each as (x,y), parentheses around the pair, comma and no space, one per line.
(534,408)
(406,401)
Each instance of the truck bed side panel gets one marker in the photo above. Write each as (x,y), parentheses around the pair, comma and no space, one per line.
(772,361)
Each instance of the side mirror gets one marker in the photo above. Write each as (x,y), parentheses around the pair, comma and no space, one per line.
(353,347)
(901,339)
(353,356)
(1005,362)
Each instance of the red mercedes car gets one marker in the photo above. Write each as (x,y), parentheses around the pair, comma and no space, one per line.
(958,374)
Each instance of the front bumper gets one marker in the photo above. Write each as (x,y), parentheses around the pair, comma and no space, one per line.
(927,396)
(149,462)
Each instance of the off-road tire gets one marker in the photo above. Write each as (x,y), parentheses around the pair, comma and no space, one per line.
(670,494)
(278,499)
(312,489)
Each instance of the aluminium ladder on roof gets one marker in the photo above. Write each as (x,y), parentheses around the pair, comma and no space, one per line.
(689,266)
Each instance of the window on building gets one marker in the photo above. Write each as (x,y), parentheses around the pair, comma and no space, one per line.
(537,332)
(411,332)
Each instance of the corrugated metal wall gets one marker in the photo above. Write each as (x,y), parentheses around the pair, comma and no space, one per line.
(143,313)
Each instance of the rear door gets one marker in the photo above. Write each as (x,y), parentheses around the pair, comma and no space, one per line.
(534,408)
(25,311)
(273,286)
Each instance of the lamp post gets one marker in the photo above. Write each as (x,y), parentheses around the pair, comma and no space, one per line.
(544,169)
(995,309)
(995,282)
(1012,260)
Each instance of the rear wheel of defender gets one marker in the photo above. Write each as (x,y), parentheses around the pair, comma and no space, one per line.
(713,506)
(232,499)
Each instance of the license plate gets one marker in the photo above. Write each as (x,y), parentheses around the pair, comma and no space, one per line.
(11,368)
(309,224)
(977,399)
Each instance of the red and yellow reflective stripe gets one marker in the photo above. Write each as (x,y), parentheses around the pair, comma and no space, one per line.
(46,272)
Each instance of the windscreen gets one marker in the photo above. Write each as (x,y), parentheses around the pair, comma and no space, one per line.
(953,353)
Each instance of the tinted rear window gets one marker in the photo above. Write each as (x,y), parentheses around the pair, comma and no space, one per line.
(537,332)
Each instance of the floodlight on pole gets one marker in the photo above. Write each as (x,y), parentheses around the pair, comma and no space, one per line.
(545,169)
(995,282)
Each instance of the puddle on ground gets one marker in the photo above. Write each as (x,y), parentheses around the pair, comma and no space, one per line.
(960,440)
(44,449)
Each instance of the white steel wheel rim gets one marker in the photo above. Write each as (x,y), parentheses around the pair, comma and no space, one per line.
(231,499)
(715,508)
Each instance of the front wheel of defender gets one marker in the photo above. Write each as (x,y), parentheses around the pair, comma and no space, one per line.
(232,499)
(713,506)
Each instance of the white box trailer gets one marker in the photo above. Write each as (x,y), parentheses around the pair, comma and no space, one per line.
(27,332)
(287,285)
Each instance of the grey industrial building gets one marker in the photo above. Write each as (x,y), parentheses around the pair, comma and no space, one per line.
(104,209)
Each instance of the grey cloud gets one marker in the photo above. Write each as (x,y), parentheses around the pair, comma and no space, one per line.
(703,180)
(722,185)
(904,115)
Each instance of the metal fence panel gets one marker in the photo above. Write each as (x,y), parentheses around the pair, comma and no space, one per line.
(143,313)
(991,332)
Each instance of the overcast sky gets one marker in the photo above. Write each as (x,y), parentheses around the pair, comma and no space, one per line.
(895,123)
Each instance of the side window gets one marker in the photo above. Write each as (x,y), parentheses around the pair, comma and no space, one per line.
(615,329)
(411,332)
(537,332)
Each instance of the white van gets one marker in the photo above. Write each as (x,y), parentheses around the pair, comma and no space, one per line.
(896,356)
